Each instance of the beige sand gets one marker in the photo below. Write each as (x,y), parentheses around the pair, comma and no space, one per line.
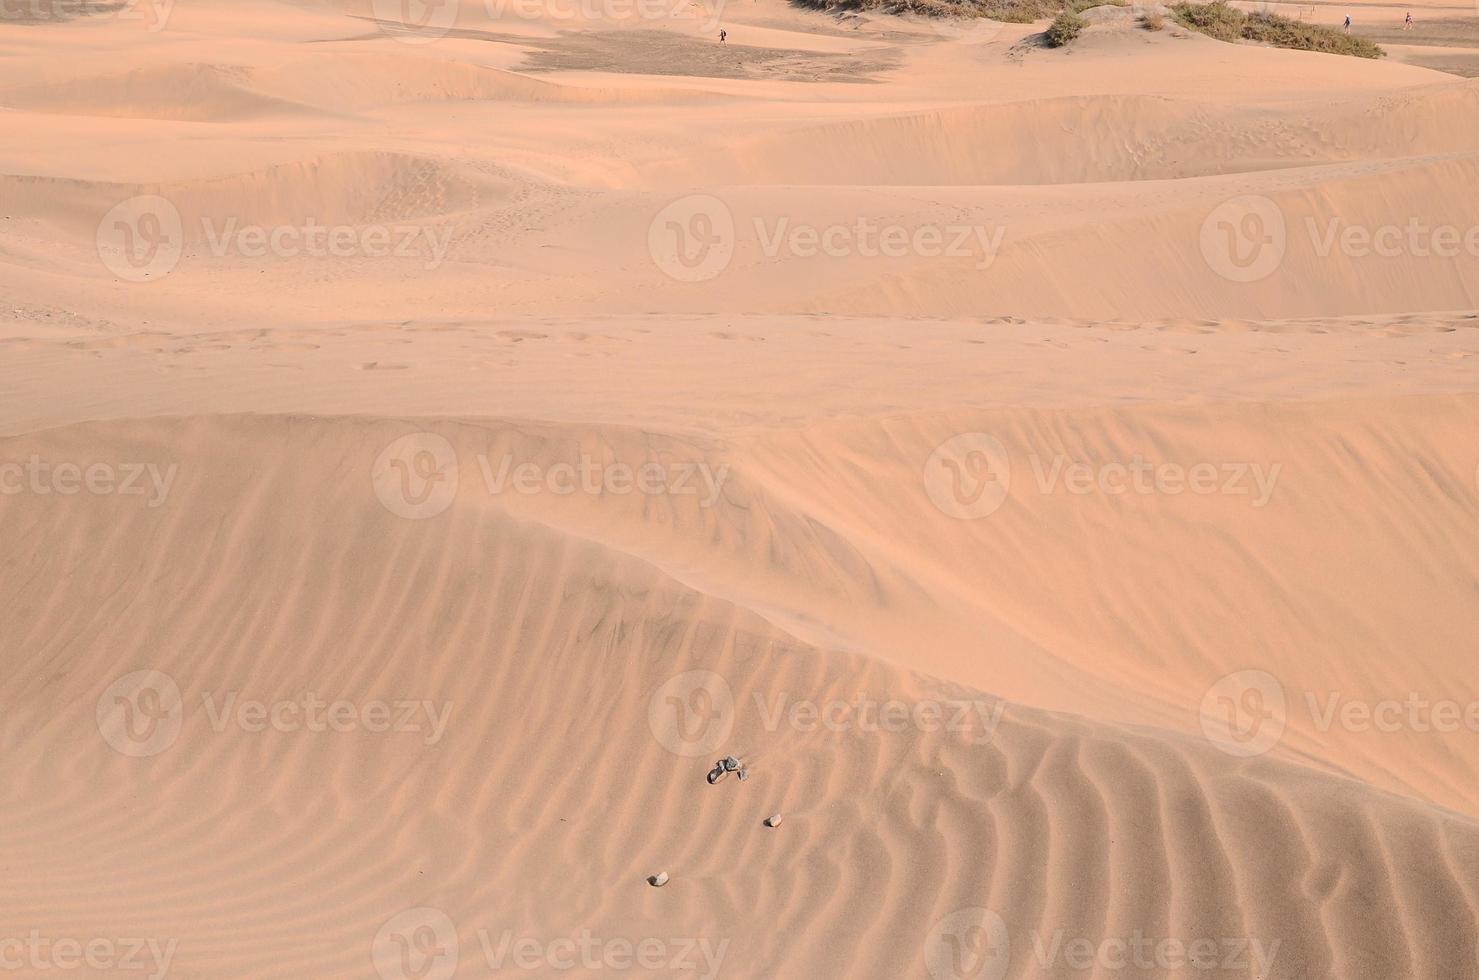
(969,553)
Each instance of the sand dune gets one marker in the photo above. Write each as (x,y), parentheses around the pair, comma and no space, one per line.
(1055,822)
(1091,139)
(431,438)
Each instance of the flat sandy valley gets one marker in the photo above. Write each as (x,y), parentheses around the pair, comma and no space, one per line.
(435,437)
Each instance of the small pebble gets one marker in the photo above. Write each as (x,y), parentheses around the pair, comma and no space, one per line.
(658,880)
(774,820)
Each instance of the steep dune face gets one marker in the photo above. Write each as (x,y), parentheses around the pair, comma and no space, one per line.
(269,565)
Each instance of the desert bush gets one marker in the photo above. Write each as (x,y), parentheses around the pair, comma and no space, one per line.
(1065,27)
(1010,11)
(1227,23)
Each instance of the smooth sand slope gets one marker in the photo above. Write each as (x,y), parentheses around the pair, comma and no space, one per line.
(1094,599)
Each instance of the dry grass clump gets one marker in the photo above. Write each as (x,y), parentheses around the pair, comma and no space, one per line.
(1065,27)
(1226,23)
(1010,11)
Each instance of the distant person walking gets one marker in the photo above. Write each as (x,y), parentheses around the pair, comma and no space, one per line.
(1407,24)
(1347,23)
(723,36)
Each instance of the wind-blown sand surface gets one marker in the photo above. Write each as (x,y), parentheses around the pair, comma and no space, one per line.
(1091,581)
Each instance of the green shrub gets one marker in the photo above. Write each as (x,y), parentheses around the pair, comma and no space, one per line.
(1010,11)
(1065,28)
(1226,23)
(1215,19)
